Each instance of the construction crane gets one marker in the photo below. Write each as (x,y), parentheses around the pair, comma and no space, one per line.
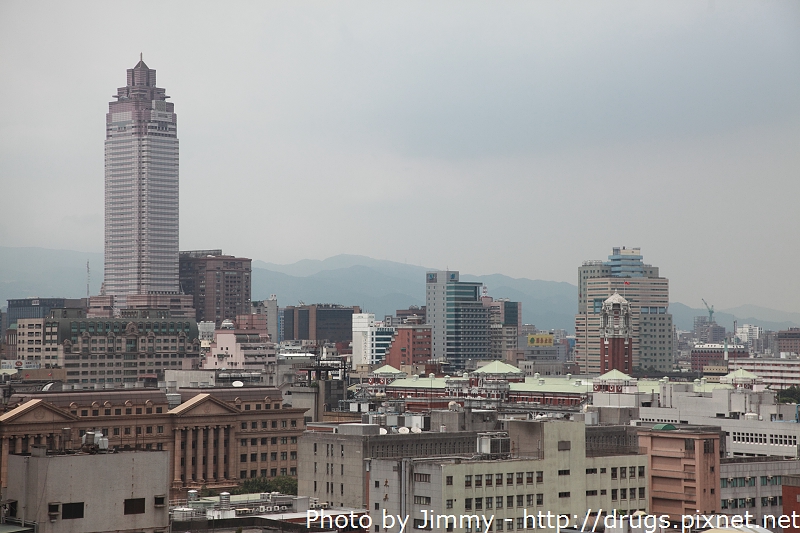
(710,311)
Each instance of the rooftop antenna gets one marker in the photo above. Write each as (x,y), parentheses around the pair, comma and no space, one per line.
(140,57)
(88,278)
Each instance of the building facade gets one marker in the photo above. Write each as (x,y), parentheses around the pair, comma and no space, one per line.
(648,296)
(459,321)
(411,345)
(371,339)
(546,467)
(141,189)
(334,457)
(77,504)
(218,284)
(319,322)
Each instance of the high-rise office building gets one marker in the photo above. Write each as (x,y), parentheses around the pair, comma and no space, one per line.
(218,284)
(458,318)
(141,190)
(648,296)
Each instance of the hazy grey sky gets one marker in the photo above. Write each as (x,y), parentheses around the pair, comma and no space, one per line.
(511,137)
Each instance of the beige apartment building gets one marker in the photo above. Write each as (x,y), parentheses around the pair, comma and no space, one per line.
(548,469)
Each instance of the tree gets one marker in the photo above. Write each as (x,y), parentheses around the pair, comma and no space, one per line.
(790,395)
(254,485)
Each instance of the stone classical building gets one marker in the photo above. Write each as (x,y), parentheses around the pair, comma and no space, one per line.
(216,437)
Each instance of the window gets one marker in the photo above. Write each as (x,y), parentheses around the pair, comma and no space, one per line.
(539,476)
(448,480)
(510,478)
(540,499)
(489,478)
(591,470)
(467,480)
(614,473)
(467,504)
(498,479)
(243,458)
(632,471)
(159,501)
(563,472)
(614,494)
(448,504)
(478,480)
(509,501)
(519,478)
(71,511)
(134,506)
(563,494)
(423,478)
(641,493)
(641,471)
(498,502)
(519,500)
(478,504)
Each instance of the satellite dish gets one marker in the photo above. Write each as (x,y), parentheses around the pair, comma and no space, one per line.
(403,430)
(416,430)
(237,384)
(383,431)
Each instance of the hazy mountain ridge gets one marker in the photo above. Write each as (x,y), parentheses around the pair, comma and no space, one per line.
(378,286)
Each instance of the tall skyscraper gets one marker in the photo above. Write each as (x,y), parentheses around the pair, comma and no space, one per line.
(141,190)
(459,321)
(648,297)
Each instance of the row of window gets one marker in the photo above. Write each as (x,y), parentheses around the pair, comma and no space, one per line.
(764,438)
(744,503)
(118,411)
(749,481)
(273,440)
(489,480)
(271,423)
(273,472)
(273,456)
(518,500)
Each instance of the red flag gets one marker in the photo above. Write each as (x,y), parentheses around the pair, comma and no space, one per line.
(627,283)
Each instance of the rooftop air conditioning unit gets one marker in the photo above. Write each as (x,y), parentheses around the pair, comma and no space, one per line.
(268,509)
(730,480)
(284,508)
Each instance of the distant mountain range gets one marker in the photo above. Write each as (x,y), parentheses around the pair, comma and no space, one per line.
(378,286)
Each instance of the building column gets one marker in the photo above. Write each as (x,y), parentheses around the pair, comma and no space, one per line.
(18,444)
(187,458)
(198,455)
(229,453)
(221,453)
(3,466)
(176,457)
(209,454)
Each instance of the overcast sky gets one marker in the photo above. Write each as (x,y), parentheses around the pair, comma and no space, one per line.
(512,137)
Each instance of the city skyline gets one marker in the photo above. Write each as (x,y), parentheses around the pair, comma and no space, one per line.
(473,114)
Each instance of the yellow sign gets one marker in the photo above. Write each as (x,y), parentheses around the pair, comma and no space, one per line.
(544,339)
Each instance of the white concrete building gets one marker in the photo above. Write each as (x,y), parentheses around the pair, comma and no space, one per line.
(777,373)
(73,493)
(371,339)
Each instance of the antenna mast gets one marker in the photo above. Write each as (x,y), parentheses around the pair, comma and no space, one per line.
(88,278)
